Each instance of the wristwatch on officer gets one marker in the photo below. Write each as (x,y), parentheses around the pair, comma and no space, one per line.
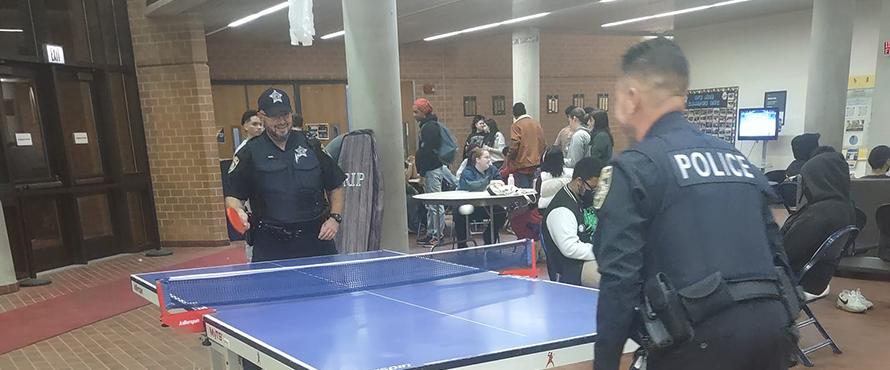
(337,217)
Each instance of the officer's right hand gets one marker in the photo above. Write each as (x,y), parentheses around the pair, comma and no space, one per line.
(244,218)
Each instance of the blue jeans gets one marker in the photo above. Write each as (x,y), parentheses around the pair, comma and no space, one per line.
(523,181)
(435,214)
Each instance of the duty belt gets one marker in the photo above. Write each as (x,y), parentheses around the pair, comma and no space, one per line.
(280,232)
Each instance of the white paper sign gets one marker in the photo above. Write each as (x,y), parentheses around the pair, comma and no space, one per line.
(23,140)
(55,54)
(81,138)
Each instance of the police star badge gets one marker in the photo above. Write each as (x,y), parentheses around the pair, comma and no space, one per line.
(234,164)
(299,152)
(602,189)
(276,96)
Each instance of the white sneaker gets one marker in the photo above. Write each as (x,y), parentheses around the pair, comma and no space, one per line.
(858,294)
(848,301)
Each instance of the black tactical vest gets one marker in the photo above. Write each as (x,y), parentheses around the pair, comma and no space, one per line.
(288,183)
(706,210)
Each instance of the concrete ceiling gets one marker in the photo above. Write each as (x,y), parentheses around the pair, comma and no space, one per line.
(423,18)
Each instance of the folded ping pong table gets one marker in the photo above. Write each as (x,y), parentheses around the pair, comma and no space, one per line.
(384,310)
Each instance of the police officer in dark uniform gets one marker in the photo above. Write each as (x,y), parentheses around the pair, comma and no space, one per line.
(295,188)
(686,245)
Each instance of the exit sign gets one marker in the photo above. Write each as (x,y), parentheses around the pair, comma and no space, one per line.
(886,47)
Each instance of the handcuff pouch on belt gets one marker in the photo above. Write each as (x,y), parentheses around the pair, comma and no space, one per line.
(662,315)
(280,232)
(669,315)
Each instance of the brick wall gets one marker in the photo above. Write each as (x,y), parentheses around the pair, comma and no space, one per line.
(177,108)
(481,67)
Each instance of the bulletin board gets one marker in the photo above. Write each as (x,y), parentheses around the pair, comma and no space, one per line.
(714,111)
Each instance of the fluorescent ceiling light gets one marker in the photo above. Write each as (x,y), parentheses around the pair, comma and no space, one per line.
(673,13)
(523,19)
(259,14)
(11,30)
(333,34)
(486,26)
(608,1)
(669,37)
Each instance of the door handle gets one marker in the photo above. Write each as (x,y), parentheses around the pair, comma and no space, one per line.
(39,185)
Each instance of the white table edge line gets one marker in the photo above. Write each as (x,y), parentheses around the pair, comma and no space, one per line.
(257,341)
(327,264)
(520,348)
(251,263)
(443,313)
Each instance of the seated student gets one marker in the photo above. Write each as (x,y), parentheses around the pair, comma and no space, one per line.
(569,224)
(802,146)
(475,177)
(416,211)
(825,183)
(879,161)
(554,175)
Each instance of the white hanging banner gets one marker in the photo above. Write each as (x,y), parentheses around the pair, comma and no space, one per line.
(302,22)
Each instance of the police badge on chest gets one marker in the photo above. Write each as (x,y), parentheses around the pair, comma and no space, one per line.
(299,152)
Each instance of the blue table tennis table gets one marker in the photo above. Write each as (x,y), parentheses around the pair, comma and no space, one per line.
(479,320)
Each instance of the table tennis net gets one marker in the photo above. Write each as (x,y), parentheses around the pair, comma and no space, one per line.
(292,282)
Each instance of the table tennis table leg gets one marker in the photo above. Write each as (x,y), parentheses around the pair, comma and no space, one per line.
(222,358)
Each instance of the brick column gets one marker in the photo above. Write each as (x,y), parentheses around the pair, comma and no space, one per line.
(177,108)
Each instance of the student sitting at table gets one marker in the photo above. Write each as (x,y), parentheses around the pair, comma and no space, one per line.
(569,224)
(879,161)
(475,177)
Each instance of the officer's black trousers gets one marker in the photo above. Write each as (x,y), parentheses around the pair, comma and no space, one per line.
(269,247)
(749,336)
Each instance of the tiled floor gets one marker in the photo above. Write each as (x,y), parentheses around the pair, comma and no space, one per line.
(74,278)
(134,340)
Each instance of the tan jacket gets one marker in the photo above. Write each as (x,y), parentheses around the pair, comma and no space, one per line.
(526,143)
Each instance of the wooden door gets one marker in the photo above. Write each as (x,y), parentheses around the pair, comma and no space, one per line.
(324,104)
(229,103)
(34,223)
(93,226)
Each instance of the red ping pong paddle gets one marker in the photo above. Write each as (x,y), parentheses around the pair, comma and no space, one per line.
(235,220)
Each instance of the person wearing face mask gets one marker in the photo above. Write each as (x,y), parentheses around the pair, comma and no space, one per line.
(569,223)
(295,189)
(686,236)
(476,177)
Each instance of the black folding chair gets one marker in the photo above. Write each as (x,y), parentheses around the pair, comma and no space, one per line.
(829,252)
(861,221)
(882,220)
(788,192)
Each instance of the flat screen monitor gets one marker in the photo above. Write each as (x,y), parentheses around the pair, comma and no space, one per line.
(758,124)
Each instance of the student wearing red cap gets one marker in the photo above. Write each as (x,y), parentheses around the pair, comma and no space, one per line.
(431,168)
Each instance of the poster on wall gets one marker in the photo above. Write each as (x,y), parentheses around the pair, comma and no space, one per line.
(714,111)
(319,131)
(857,118)
(776,100)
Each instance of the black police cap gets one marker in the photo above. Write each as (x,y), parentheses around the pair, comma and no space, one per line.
(274,102)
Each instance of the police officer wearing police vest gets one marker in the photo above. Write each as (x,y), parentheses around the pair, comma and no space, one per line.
(295,188)
(686,245)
